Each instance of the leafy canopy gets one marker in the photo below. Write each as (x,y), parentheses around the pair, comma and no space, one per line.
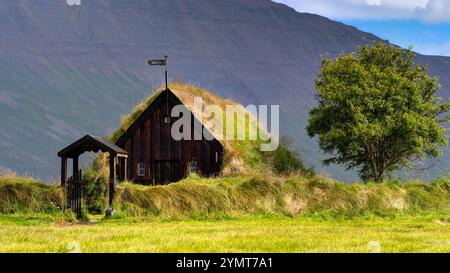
(378,111)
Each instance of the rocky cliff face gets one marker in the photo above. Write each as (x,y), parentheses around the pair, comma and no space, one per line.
(70,70)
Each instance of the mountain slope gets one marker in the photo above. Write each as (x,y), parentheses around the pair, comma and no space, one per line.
(70,70)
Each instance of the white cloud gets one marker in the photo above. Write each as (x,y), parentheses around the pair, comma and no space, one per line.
(435,11)
(425,10)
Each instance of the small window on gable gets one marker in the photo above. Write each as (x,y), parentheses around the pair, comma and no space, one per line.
(141,169)
(217,157)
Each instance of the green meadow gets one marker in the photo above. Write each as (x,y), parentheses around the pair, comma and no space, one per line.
(41,233)
(232,214)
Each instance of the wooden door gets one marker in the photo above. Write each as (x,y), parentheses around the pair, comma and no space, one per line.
(167,171)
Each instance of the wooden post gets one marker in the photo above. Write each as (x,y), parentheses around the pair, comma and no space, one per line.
(75,189)
(125,169)
(121,176)
(112,178)
(75,170)
(63,171)
(64,181)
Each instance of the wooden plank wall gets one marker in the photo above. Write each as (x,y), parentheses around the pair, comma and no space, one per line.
(152,141)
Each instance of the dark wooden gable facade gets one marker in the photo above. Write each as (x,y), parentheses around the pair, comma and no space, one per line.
(155,157)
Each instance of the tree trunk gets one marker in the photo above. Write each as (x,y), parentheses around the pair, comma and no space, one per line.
(376,172)
(379,177)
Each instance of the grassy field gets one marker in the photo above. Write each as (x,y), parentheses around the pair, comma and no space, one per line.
(42,233)
(233,214)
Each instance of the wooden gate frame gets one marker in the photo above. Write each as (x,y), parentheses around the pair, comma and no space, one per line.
(72,186)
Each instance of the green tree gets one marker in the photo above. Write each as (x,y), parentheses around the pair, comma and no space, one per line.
(378,111)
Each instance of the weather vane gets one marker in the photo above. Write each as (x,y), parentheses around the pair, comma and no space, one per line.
(161,62)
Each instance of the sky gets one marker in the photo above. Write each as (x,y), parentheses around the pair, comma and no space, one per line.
(423,24)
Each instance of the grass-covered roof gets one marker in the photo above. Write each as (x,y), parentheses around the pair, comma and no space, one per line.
(240,155)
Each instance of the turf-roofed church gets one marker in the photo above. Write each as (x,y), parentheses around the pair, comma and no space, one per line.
(155,158)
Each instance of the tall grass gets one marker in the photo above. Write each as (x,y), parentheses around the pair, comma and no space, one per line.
(26,195)
(233,196)
(237,196)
